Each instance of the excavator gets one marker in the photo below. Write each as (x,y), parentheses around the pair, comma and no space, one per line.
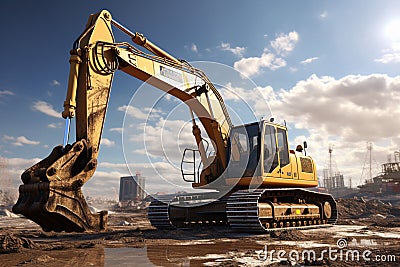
(264,181)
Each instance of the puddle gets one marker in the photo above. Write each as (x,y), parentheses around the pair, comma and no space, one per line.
(126,257)
(299,244)
(363,231)
(190,253)
(342,231)
(385,235)
(197,242)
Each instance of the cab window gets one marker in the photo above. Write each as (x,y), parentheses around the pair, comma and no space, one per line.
(283,148)
(244,151)
(270,155)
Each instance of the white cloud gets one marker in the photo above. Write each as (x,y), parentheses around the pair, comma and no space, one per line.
(118,130)
(193,47)
(252,66)
(391,55)
(238,51)
(55,83)
(55,125)
(249,103)
(165,139)
(5,92)
(21,163)
(389,58)
(22,140)
(25,141)
(8,138)
(309,60)
(350,107)
(19,141)
(282,45)
(285,43)
(137,113)
(133,112)
(230,92)
(45,108)
(395,47)
(323,15)
(107,142)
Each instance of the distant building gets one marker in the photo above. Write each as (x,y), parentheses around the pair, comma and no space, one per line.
(387,182)
(131,188)
(333,182)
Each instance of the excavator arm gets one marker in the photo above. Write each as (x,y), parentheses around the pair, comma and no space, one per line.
(51,194)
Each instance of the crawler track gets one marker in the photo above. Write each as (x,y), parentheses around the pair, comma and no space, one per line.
(248,211)
(158,212)
(243,210)
(183,210)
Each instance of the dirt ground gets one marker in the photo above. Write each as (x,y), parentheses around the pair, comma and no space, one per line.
(367,234)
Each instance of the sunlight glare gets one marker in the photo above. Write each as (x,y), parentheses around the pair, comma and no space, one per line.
(392,30)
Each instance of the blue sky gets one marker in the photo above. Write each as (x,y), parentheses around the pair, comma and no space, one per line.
(329,68)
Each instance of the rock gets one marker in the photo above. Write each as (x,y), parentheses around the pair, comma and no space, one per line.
(44,259)
(10,243)
(93,209)
(288,235)
(379,216)
(7,213)
(124,223)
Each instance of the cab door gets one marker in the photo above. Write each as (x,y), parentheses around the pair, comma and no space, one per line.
(283,153)
(270,157)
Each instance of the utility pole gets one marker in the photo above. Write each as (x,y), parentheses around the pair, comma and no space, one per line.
(369,147)
(330,160)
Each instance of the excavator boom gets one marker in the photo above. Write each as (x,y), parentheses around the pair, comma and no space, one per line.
(51,194)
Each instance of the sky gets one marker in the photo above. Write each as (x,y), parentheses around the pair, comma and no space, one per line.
(328,68)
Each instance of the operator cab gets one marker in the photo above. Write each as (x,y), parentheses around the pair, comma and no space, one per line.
(258,149)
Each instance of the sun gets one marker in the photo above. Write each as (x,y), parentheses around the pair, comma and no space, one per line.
(392,30)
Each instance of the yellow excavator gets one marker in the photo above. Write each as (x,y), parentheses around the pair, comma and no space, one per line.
(264,181)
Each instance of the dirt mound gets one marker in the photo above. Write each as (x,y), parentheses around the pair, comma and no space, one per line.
(286,235)
(10,243)
(350,208)
(361,208)
(386,223)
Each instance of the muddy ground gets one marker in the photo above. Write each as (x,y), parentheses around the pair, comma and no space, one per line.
(367,234)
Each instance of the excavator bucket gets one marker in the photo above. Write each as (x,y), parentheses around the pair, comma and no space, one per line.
(51,194)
